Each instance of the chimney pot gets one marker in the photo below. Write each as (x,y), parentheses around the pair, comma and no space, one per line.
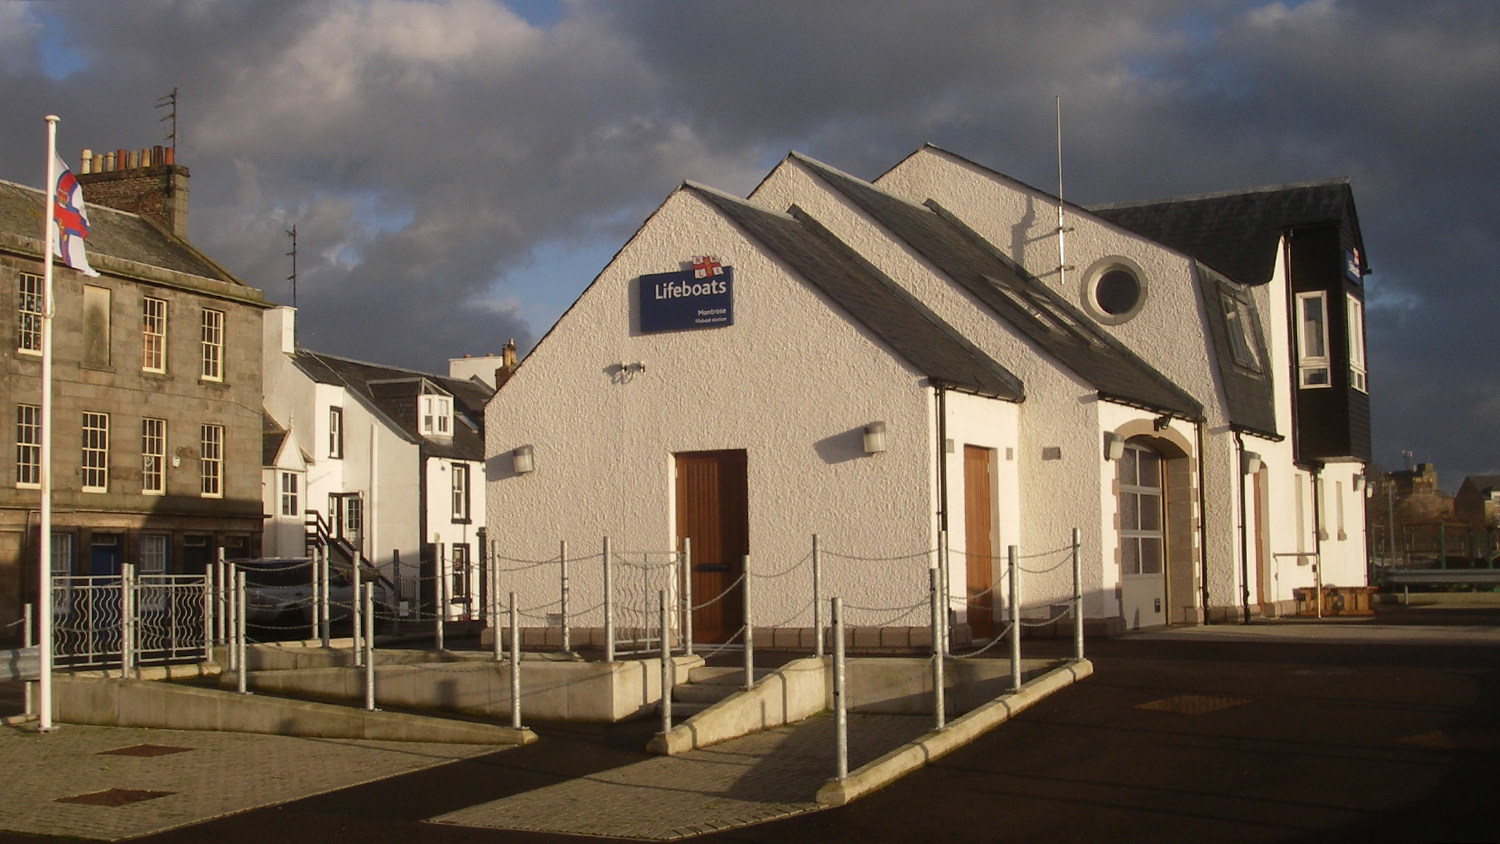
(133,159)
(109,161)
(122,159)
(171,153)
(86,164)
(156,154)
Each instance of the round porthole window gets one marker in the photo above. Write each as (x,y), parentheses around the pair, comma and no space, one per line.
(1114,289)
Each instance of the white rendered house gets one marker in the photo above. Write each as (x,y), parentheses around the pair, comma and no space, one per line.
(722,378)
(389,460)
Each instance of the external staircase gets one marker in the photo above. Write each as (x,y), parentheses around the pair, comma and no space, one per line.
(706,686)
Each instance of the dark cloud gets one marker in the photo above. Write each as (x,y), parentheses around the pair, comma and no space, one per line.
(428,150)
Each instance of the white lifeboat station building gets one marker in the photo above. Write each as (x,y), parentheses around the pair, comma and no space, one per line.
(888,365)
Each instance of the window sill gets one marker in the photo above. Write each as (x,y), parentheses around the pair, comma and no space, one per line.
(28,486)
(29,353)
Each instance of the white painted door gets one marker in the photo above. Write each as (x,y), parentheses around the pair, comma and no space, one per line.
(1143,584)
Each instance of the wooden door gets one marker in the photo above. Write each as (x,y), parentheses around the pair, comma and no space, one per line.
(713,509)
(979,529)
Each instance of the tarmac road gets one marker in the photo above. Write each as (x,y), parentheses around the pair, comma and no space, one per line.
(1381,730)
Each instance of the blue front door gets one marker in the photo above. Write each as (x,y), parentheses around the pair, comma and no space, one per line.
(106,552)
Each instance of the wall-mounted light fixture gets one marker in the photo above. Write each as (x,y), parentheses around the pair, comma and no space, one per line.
(521,460)
(1249,462)
(1114,446)
(1359,483)
(874,438)
(1161,422)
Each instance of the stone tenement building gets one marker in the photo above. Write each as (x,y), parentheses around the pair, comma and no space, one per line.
(156,395)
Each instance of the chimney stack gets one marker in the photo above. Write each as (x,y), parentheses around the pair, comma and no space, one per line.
(507,364)
(146,182)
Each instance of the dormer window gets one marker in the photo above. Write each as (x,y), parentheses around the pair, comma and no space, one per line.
(1236,326)
(437,416)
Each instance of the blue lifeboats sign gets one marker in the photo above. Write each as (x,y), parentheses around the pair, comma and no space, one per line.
(687,299)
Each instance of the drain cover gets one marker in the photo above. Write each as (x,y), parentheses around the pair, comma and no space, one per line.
(145,750)
(1193,704)
(113,797)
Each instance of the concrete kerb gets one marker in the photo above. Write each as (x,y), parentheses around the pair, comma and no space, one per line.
(136,703)
(903,760)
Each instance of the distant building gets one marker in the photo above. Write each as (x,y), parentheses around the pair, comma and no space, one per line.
(389,460)
(157,379)
(1476,501)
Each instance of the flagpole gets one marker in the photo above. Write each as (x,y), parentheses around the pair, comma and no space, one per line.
(44,547)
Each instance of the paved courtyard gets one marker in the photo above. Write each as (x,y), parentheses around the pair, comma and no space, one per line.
(746,781)
(111,783)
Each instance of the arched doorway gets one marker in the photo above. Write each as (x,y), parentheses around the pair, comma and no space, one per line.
(1157,540)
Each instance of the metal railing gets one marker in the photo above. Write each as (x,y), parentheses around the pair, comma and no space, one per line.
(127,620)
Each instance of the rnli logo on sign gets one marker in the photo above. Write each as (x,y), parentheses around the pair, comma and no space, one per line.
(701,297)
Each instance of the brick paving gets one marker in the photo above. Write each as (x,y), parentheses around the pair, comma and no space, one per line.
(221,774)
(761,777)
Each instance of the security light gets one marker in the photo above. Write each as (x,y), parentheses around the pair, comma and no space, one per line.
(521,460)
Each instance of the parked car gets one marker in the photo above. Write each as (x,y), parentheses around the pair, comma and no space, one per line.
(279,596)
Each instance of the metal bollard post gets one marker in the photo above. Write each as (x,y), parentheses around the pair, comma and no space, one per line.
(127,618)
(498,645)
(1077,600)
(840,698)
(398,597)
(325,625)
(239,632)
(369,602)
(1015,619)
(515,664)
(356,647)
(939,704)
(609,605)
(26,642)
(749,629)
(687,595)
(667,674)
(208,611)
(221,598)
(817,575)
(439,599)
(231,652)
(562,611)
(944,592)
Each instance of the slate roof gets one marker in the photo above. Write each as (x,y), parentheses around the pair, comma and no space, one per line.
(394,391)
(118,234)
(1023,301)
(271,438)
(1483,483)
(888,310)
(1251,401)
(1236,232)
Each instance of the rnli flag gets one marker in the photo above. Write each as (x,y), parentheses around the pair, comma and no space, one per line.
(72,220)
